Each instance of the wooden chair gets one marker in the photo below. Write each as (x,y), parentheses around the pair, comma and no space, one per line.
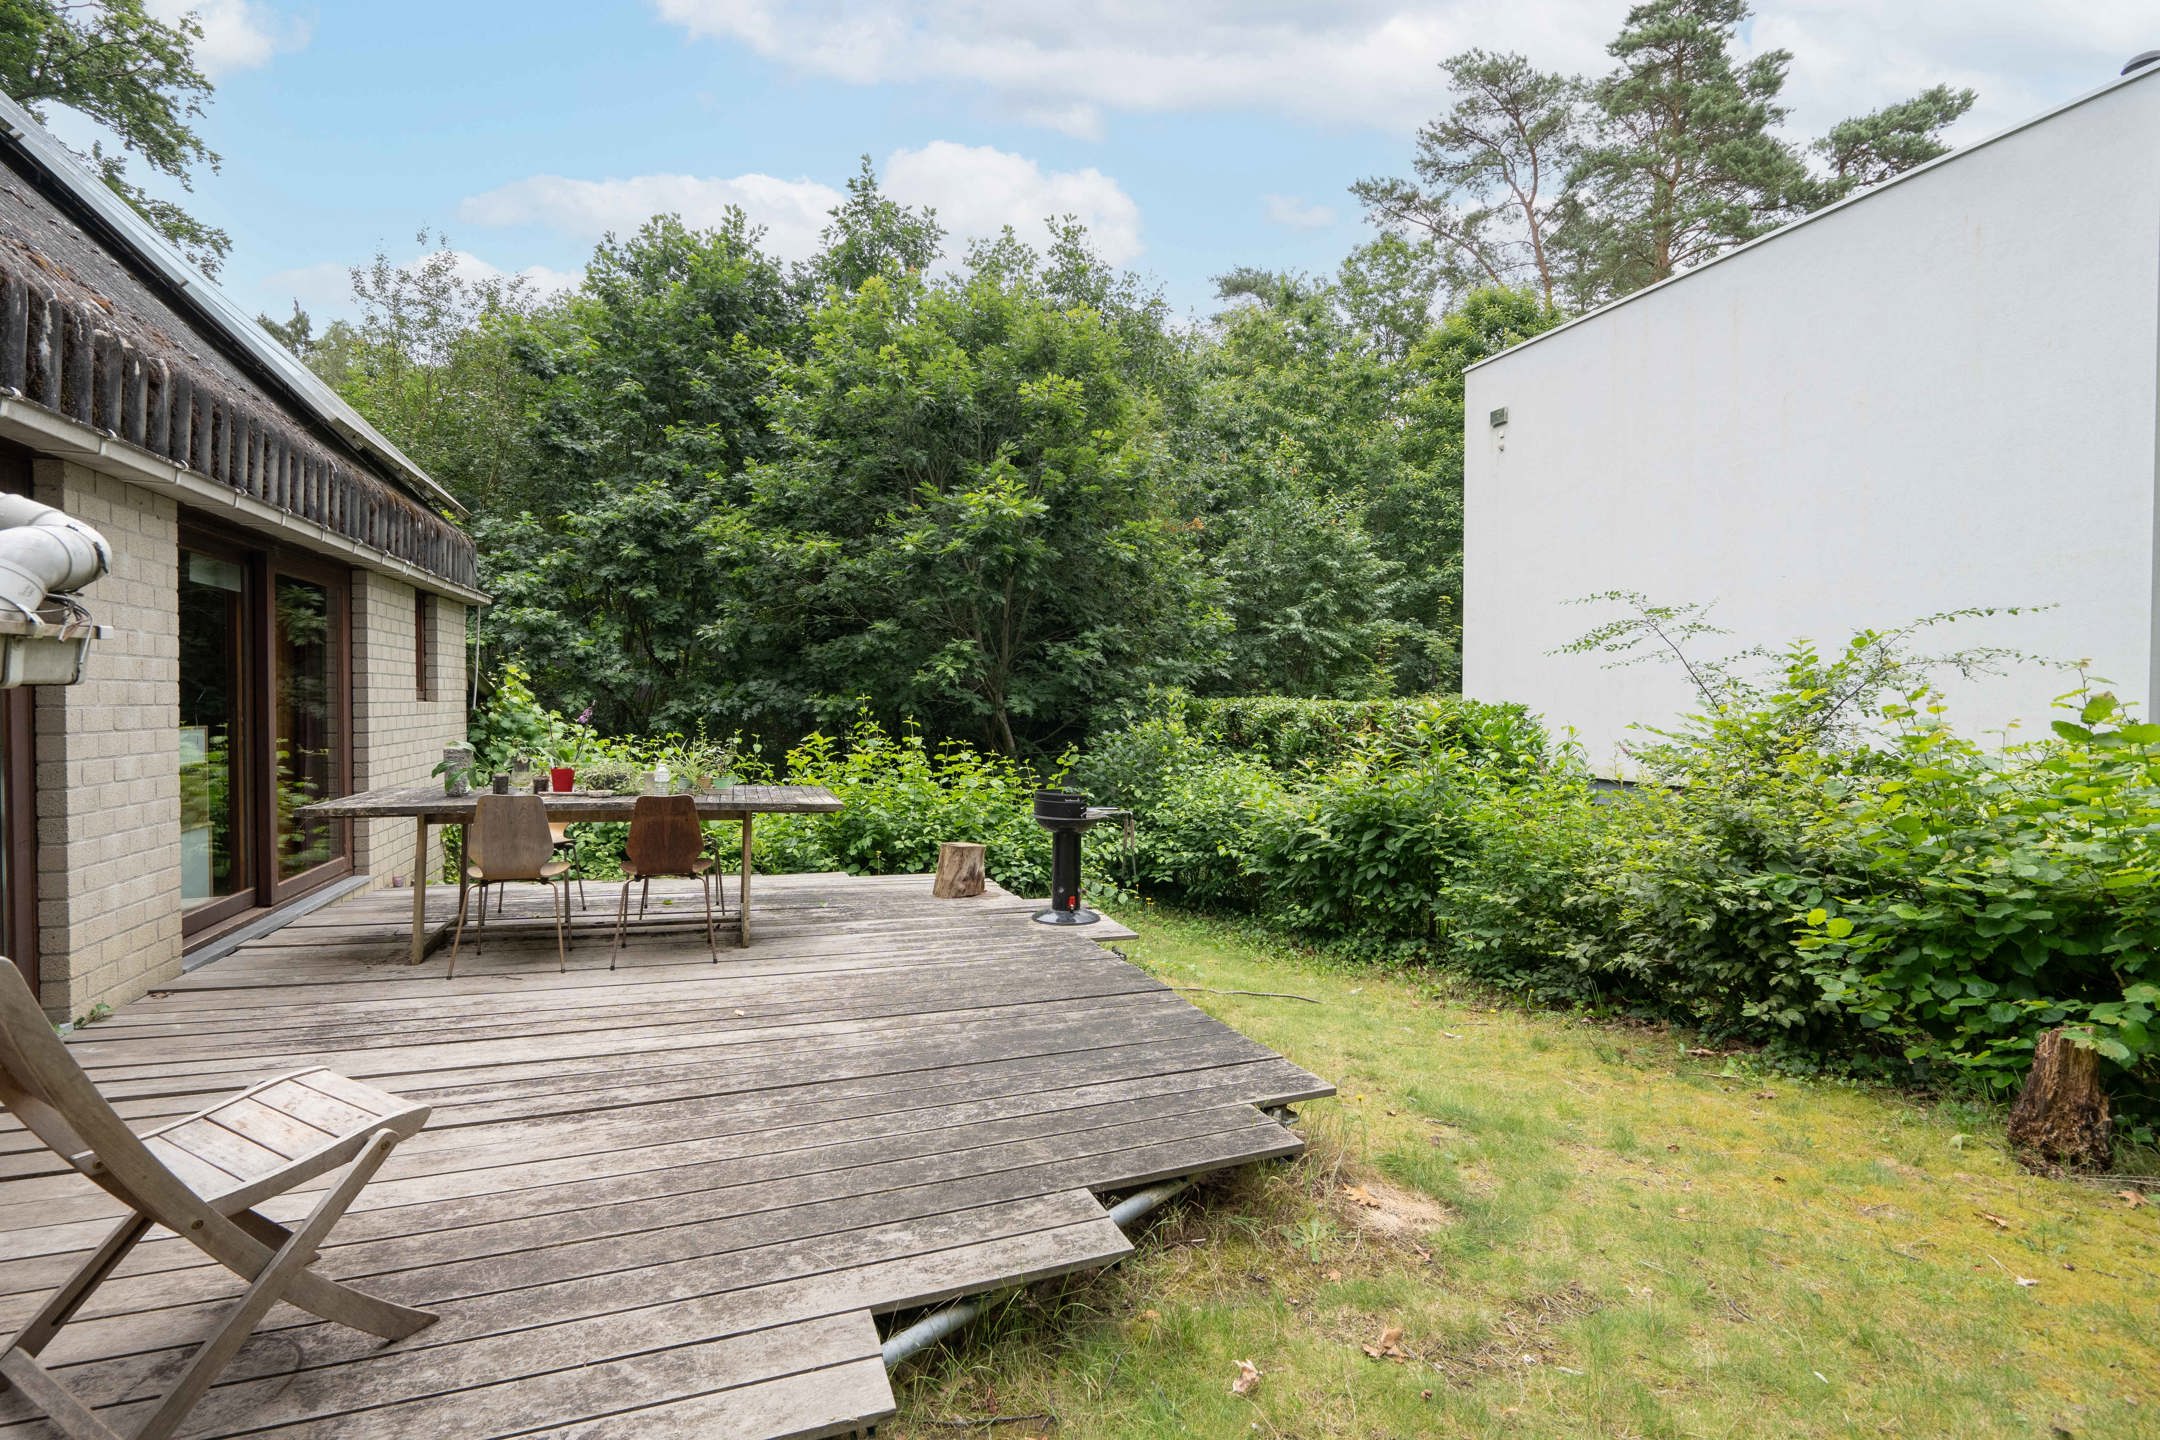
(200,1178)
(566,851)
(665,840)
(509,839)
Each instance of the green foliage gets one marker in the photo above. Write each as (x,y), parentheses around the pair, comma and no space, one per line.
(904,797)
(1869,149)
(966,520)
(1686,162)
(136,75)
(1992,896)
(432,361)
(1814,862)
(1584,192)
(1491,173)
(1290,733)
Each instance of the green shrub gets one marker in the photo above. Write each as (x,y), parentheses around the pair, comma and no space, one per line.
(1289,731)
(903,798)
(1365,850)
(1996,896)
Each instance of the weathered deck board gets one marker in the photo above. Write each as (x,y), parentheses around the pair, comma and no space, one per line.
(661,1202)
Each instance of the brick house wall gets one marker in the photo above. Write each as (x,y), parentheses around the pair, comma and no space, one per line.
(398,736)
(107,770)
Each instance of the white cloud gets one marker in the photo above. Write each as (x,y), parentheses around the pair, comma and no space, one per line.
(1064,64)
(2022,56)
(236,34)
(325,290)
(792,211)
(977,191)
(1296,214)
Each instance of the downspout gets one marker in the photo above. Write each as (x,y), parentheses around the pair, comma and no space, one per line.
(44,551)
(940,1323)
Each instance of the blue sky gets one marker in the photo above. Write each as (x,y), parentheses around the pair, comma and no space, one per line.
(1193,137)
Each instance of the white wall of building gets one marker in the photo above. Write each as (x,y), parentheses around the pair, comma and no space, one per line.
(1940,394)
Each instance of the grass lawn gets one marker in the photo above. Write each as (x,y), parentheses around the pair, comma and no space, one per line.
(1549,1227)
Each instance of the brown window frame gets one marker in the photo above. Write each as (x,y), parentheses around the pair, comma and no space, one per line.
(423,645)
(265,561)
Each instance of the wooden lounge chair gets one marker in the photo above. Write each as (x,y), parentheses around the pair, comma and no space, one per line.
(665,840)
(201,1179)
(510,839)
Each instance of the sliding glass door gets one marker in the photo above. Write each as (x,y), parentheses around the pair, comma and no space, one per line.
(265,724)
(217,871)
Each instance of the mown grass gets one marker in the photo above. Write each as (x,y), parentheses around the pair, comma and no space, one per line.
(1583,1230)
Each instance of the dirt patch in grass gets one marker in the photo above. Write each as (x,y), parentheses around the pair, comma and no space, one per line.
(1391,1212)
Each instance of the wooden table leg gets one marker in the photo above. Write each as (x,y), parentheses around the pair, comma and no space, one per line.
(743,898)
(419,892)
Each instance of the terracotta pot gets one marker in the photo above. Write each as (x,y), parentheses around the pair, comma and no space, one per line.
(562,778)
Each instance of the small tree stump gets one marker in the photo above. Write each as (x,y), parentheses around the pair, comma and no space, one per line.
(2060,1120)
(959,871)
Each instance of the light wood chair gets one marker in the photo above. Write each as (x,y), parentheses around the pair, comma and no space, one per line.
(200,1178)
(509,839)
(666,840)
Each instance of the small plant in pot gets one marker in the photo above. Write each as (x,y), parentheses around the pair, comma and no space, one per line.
(615,777)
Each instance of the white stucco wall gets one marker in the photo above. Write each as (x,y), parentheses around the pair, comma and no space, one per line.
(1939,395)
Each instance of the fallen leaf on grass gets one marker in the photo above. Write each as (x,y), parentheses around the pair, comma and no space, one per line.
(1248,1378)
(1996,1220)
(1390,1346)
(1362,1196)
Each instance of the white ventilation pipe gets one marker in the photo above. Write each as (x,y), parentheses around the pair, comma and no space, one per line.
(43,552)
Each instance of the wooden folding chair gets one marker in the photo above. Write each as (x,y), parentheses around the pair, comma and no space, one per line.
(665,839)
(201,1179)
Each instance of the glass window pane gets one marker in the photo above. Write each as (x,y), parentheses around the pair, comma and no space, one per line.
(213,613)
(306,667)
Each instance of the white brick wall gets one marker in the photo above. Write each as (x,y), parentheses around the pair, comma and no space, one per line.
(107,766)
(399,737)
(108,777)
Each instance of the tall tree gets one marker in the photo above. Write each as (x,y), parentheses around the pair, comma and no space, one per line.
(658,366)
(432,361)
(134,74)
(968,521)
(869,234)
(1490,173)
(1870,149)
(1685,162)
(1419,511)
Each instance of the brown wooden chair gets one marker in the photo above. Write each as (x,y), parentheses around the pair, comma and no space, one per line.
(509,839)
(566,851)
(665,840)
(200,1178)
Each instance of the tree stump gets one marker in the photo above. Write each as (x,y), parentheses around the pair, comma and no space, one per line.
(959,871)
(2060,1120)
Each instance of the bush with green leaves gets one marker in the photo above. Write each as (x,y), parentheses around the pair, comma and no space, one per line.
(902,797)
(1993,896)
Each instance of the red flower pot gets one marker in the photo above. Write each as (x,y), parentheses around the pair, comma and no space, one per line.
(561,779)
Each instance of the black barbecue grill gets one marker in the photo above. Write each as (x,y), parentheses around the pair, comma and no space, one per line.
(1067,816)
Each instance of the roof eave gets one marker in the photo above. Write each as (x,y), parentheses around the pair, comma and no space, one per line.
(133,234)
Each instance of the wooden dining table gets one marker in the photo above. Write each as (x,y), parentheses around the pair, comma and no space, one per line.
(428,806)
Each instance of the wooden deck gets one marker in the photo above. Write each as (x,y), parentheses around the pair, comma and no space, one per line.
(664,1202)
